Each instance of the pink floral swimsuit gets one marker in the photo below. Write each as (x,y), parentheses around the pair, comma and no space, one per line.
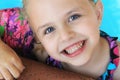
(17,32)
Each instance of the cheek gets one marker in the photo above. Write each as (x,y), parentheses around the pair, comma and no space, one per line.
(52,49)
(50,46)
(87,29)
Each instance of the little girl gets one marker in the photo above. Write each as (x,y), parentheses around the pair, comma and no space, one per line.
(69,31)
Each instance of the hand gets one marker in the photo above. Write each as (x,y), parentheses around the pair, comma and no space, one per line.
(10,64)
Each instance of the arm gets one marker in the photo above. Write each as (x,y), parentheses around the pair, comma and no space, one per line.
(40,71)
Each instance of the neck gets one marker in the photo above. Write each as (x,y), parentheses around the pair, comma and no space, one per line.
(98,63)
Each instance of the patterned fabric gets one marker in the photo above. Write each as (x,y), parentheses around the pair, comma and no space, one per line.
(52,62)
(17,34)
(2,29)
(114,58)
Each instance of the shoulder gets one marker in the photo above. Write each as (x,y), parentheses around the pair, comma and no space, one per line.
(17,30)
(118,43)
(119,47)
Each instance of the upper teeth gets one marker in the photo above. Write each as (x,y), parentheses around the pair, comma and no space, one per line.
(74,48)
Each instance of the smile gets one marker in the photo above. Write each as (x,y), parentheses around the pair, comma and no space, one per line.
(74,49)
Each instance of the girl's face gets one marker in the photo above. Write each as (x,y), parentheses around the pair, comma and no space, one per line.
(68,29)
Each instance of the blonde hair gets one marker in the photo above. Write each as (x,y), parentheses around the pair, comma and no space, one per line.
(25,2)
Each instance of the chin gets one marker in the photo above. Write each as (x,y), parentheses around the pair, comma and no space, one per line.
(79,62)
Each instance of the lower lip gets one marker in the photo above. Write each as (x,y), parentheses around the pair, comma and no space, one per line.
(76,53)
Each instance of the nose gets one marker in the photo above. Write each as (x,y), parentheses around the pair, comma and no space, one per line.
(66,33)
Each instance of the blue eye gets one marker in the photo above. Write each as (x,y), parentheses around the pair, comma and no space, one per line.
(49,30)
(74,17)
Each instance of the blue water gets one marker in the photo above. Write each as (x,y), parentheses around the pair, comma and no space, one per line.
(111,17)
(111,14)
(10,3)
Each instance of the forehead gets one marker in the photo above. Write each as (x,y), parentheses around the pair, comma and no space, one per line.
(47,10)
(47,4)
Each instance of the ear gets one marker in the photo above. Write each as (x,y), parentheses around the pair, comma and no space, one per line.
(99,10)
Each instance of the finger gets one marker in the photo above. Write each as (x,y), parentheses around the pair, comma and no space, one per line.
(18,64)
(1,77)
(14,71)
(6,74)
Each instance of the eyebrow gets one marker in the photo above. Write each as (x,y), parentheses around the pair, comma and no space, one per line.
(43,26)
(68,13)
(73,10)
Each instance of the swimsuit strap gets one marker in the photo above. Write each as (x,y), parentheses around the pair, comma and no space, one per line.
(114,57)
